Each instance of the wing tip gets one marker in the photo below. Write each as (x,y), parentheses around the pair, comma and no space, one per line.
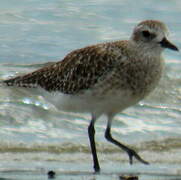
(17,82)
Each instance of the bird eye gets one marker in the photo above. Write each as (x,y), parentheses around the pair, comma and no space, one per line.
(146,34)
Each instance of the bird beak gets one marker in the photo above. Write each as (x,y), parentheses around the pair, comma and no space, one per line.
(167,44)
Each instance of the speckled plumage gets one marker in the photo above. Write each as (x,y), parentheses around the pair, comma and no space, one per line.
(104,78)
(78,71)
(88,67)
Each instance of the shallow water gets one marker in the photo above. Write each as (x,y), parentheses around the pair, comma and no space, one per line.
(36,137)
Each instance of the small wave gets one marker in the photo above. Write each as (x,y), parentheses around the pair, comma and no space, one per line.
(153,146)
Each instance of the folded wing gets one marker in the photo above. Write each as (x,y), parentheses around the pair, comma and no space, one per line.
(78,71)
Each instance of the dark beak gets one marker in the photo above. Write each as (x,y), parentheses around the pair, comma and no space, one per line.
(167,44)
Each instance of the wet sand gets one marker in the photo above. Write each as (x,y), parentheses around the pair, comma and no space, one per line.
(83,175)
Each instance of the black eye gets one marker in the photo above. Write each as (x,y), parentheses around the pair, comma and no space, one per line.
(146,34)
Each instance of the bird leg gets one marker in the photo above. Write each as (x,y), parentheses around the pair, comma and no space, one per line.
(91,132)
(131,153)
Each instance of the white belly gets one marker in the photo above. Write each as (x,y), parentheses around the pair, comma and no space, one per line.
(109,103)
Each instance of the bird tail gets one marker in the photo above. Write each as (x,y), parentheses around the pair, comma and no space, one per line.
(2,83)
(19,81)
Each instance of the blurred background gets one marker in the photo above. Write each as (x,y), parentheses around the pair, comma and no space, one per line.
(36,137)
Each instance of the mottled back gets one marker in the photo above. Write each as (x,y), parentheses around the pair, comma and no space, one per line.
(79,70)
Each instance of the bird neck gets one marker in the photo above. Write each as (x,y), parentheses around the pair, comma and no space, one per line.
(146,51)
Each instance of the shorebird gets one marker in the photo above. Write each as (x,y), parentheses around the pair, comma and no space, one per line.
(105,78)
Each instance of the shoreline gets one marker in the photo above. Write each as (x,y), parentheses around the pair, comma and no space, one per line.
(30,174)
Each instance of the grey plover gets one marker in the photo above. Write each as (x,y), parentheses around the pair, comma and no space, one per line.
(105,78)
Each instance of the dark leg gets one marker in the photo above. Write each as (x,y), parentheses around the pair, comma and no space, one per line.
(91,132)
(129,151)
